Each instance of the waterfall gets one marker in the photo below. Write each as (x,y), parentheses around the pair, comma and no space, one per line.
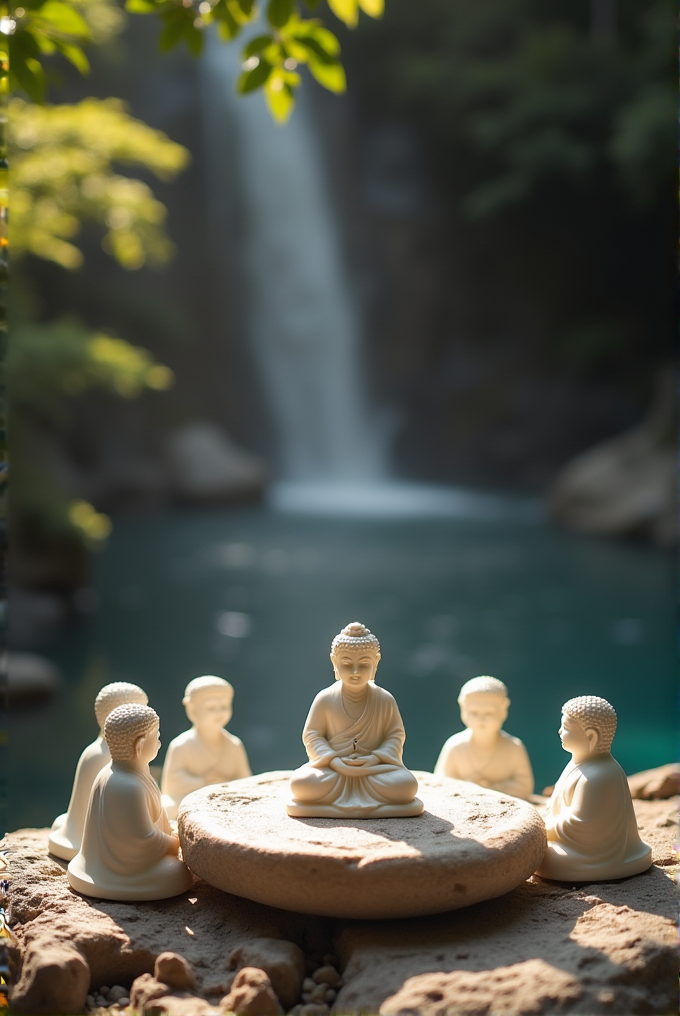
(301,322)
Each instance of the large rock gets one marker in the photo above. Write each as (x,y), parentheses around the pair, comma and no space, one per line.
(626,486)
(470,844)
(54,979)
(206,466)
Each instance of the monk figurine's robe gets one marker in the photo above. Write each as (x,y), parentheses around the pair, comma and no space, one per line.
(124,853)
(67,829)
(383,789)
(591,825)
(508,770)
(191,764)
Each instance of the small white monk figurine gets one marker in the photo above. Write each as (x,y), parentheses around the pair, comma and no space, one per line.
(354,738)
(484,753)
(591,825)
(67,829)
(128,850)
(207,753)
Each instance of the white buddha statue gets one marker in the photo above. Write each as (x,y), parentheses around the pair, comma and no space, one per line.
(128,851)
(484,753)
(206,753)
(354,738)
(591,824)
(67,829)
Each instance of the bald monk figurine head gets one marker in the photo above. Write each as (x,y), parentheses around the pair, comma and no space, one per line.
(354,737)
(484,753)
(67,829)
(207,754)
(128,851)
(591,825)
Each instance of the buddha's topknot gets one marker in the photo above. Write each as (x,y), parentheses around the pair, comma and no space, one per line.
(117,694)
(125,725)
(354,636)
(593,711)
(482,686)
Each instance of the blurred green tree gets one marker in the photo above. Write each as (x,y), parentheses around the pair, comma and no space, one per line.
(552,125)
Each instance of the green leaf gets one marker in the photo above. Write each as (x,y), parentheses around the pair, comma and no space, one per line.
(374,8)
(193,39)
(255,78)
(246,7)
(173,30)
(256,45)
(227,25)
(28,75)
(76,56)
(315,51)
(331,76)
(64,18)
(141,6)
(345,10)
(280,99)
(314,30)
(279,12)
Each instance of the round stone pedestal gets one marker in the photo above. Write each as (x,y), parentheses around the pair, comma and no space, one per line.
(470,844)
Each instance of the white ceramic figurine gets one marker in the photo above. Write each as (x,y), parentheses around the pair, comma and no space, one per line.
(207,753)
(67,829)
(354,738)
(128,850)
(591,825)
(484,753)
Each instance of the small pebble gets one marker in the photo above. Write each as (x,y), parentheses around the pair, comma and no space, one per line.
(330,996)
(295,1011)
(104,990)
(90,1001)
(307,996)
(122,1002)
(326,975)
(117,992)
(308,984)
(314,1009)
(319,993)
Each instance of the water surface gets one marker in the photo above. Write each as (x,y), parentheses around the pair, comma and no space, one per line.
(256,596)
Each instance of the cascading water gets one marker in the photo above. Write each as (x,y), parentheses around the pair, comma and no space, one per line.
(301,320)
(302,323)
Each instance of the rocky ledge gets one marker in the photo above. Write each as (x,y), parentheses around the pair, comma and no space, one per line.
(544,947)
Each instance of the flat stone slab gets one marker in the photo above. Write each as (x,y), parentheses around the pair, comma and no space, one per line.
(470,844)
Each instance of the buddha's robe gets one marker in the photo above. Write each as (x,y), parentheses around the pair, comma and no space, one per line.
(591,825)
(191,764)
(124,853)
(383,789)
(67,829)
(508,770)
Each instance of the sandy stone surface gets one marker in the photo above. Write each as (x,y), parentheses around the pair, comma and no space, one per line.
(120,941)
(470,844)
(545,947)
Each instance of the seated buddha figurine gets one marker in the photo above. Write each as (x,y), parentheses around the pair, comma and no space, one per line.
(128,851)
(67,829)
(354,738)
(207,753)
(591,825)
(484,753)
